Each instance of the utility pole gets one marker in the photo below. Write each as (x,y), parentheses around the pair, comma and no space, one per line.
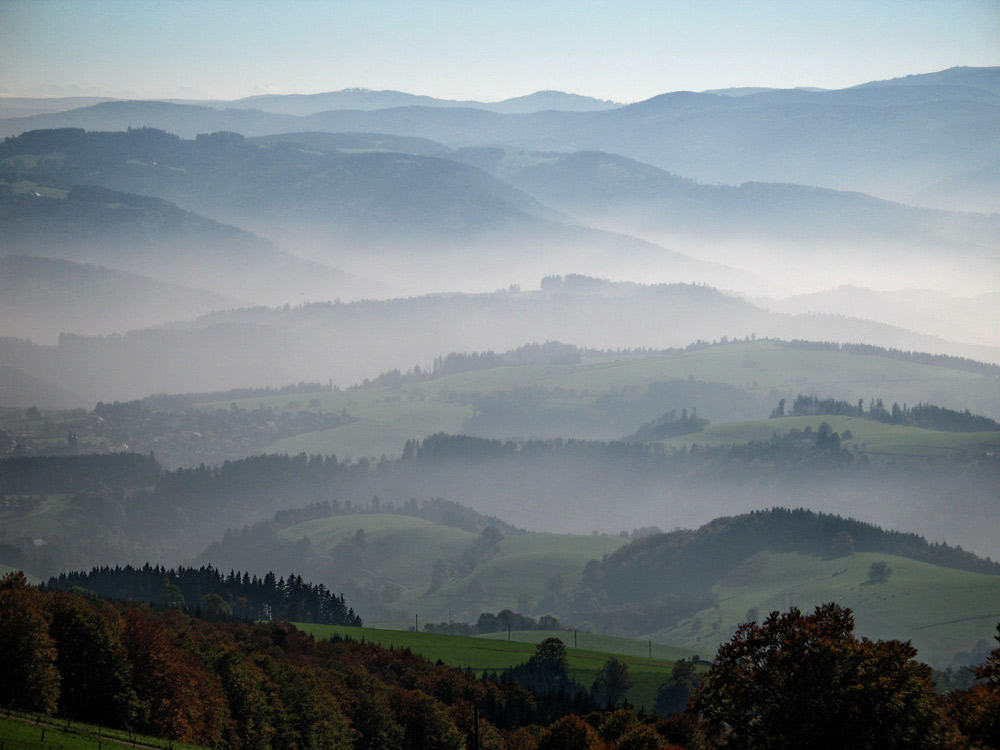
(416,623)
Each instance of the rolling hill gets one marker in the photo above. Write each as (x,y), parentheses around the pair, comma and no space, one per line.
(261,346)
(772,560)
(945,600)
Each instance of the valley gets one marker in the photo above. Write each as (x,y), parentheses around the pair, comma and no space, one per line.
(372,419)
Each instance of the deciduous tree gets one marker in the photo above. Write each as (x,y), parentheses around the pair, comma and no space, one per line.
(28,675)
(805,681)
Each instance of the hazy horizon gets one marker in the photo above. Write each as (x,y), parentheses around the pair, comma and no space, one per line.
(486,51)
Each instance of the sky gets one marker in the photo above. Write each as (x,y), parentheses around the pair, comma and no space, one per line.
(487,50)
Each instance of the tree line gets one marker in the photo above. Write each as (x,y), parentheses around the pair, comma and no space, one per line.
(209,594)
(923,415)
(792,681)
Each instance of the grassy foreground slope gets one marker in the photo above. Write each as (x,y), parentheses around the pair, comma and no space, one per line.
(942,611)
(495,653)
(762,371)
(19,731)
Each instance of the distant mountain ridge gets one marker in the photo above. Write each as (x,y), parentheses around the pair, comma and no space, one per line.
(366,99)
(895,140)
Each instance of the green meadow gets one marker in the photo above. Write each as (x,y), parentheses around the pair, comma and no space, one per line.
(943,611)
(403,550)
(494,653)
(766,370)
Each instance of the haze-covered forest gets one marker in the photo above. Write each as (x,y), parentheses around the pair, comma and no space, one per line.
(307,399)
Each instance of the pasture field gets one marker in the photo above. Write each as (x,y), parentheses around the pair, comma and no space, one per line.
(45,520)
(942,611)
(384,427)
(875,438)
(605,644)
(766,370)
(19,731)
(495,653)
(402,550)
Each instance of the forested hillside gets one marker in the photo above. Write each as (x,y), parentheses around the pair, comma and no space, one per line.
(268,685)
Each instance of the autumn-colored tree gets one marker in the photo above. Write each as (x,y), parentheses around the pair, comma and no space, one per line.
(29,678)
(425,724)
(640,737)
(179,700)
(570,733)
(977,710)
(476,729)
(805,681)
(616,723)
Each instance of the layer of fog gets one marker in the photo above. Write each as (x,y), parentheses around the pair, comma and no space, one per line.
(347,343)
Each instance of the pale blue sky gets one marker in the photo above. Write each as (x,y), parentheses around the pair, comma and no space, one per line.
(486,49)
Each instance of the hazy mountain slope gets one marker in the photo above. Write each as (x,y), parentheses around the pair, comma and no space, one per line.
(185,119)
(43,297)
(648,200)
(349,142)
(971,318)
(223,174)
(25,106)
(987,79)
(416,222)
(151,237)
(18,388)
(788,234)
(348,342)
(895,141)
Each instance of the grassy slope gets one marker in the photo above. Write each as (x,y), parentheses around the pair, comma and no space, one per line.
(942,611)
(390,415)
(403,550)
(19,732)
(494,652)
(874,437)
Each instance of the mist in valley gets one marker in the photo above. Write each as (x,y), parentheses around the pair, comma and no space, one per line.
(396,341)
